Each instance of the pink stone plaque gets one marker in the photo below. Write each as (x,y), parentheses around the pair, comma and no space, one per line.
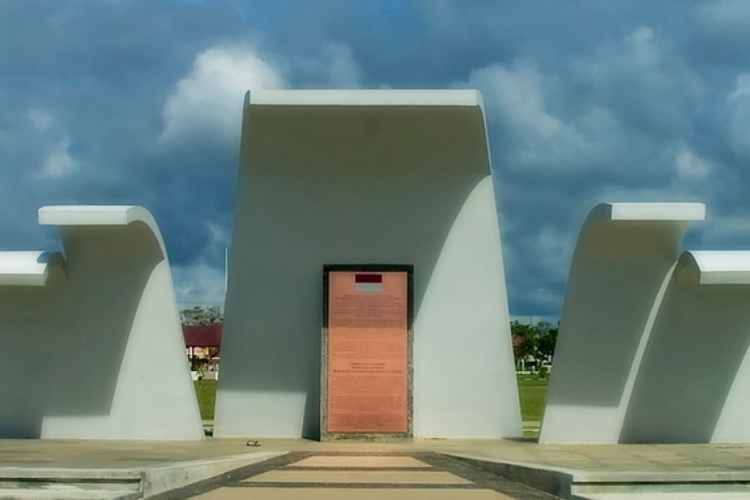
(367,368)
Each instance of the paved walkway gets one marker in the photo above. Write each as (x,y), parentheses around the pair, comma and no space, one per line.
(351,476)
(729,458)
(697,467)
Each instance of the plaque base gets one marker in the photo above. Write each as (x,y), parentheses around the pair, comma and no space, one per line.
(365,437)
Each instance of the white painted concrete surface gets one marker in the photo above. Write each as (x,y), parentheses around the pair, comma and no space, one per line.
(95,350)
(28,268)
(622,263)
(694,379)
(366,177)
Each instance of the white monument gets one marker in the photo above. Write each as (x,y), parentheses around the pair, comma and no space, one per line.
(694,380)
(366,177)
(92,342)
(623,261)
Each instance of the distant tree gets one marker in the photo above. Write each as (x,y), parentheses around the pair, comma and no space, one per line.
(534,343)
(214,352)
(522,340)
(199,315)
(547,339)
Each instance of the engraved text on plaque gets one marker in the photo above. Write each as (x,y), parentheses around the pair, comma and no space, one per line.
(368,349)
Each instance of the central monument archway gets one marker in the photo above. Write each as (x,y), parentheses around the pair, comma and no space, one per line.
(366,177)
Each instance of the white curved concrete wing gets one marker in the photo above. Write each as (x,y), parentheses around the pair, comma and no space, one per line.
(622,262)
(366,177)
(106,215)
(29,268)
(694,380)
(97,353)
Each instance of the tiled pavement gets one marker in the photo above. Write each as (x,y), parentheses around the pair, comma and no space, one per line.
(351,476)
(712,467)
(651,459)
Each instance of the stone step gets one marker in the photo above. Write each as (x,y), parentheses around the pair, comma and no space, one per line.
(667,485)
(117,484)
(621,485)
(651,495)
(66,492)
(53,483)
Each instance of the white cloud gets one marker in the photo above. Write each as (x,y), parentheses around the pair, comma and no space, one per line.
(677,192)
(202,282)
(334,68)
(207,103)
(726,231)
(534,136)
(691,167)
(556,245)
(59,163)
(218,235)
(724,18)
(198,284)
(742,87)
(738,133)
(518,94)
(343,71)
(41,119)
(644,60)
(515,96)
(618,112)
(637,55)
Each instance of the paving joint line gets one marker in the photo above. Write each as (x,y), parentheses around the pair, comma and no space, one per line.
(301,468)
(361,453)
(359,486)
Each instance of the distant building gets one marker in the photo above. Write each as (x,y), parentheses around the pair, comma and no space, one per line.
(203,343)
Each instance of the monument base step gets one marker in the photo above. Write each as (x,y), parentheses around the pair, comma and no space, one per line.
(666,486)
(66,493)
(70,484)
(118,484)
(572,484)
(665,496)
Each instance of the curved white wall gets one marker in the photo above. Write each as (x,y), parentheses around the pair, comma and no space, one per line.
(366,177)
(620,268)
(97,348)
(694,380)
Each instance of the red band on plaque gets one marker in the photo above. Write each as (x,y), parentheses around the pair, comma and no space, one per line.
(367,352)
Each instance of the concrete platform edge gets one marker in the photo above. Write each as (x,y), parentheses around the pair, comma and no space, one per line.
(552,480)
(63,473)
(141,481)
(567,483)
(166,477)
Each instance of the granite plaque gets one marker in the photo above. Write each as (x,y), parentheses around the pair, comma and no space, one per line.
(367,341)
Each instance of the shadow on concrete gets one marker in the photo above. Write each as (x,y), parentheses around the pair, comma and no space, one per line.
(63,343)
(699,341)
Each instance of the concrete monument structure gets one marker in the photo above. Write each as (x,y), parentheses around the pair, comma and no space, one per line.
(366,177)
(92,342)
(694,379)
(622,264)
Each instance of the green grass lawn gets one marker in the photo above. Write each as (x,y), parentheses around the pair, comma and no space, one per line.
(205,391)
(531,391)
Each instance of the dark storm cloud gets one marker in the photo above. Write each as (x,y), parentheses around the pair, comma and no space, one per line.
(83,86)
(587,101)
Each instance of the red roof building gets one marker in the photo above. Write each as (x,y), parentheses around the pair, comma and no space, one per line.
(202,335)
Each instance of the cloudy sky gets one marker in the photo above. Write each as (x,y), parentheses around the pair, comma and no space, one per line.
(138,102)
